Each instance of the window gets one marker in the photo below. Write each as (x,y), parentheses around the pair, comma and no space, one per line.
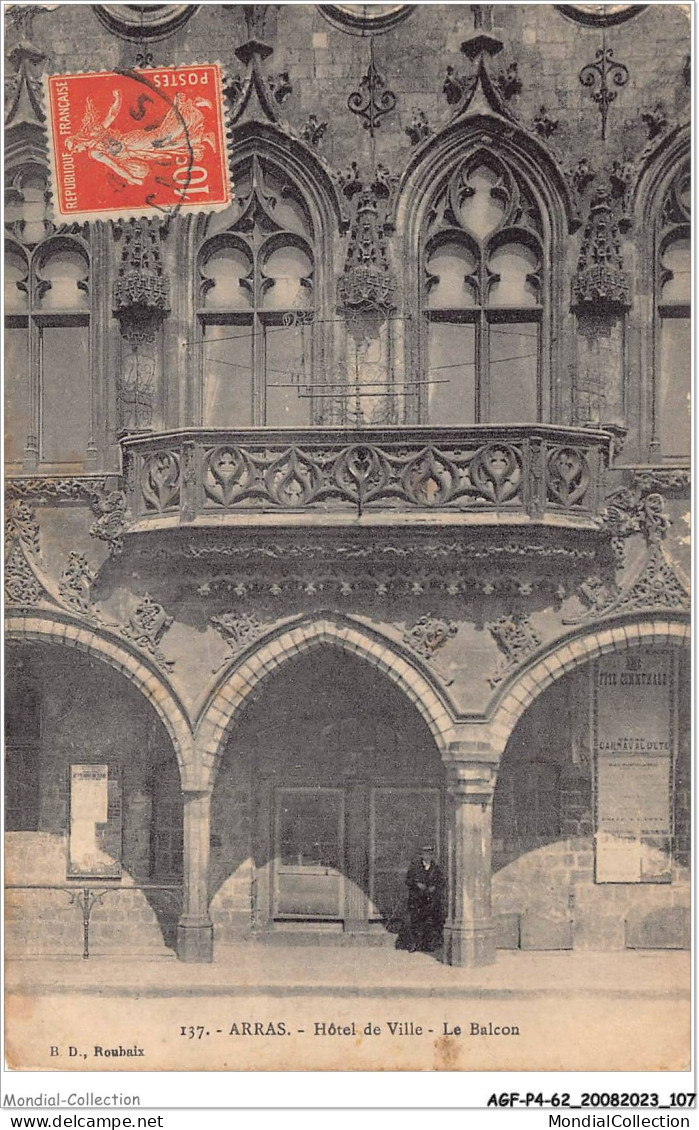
(47,351)
(256,305)
(482,298)
(673,346)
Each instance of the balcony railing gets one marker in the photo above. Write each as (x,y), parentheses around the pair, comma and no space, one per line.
(516,472)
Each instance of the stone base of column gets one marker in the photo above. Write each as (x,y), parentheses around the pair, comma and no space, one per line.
(195,939)
(469,945)
(357,926)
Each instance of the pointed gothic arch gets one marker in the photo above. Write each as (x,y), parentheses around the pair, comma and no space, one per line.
(662,220)
(237,684)
(485,138)
(58,629)
(565,655)
(273,251)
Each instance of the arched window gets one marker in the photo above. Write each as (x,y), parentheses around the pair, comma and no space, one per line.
(47,350)
(673,343)
(256,304)
(482,297)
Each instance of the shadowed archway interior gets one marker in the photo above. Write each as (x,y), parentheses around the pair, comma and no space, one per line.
(67,709)
(329,784)
(546,818)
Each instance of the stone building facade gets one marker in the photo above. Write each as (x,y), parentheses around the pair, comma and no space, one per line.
(356,514)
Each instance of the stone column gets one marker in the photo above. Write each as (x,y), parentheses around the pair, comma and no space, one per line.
(195,932)
(469,937)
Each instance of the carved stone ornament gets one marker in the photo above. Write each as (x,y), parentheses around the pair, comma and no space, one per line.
(238,629)
(313,131)
(140,302)
(27,582)
(373,100)
(147,626)
(580,175)
(516,638)
(600,76)
(76,584)
(429,634)
(655,121)
(26,150)
(256,97)
(418,128)
(673,481)
(21,525)
(544,124)
(600,284)
(23,587)
(141,289)
(478,89)
(508,82)
(634,511)
(41,488)
(656,583)
(367,284)
(111,518)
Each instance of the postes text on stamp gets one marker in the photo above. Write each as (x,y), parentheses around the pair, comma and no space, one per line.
(138,142)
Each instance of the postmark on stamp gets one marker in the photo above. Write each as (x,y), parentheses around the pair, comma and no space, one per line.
(138,142)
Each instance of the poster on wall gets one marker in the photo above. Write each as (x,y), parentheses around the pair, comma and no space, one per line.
(94,845)
(634,739)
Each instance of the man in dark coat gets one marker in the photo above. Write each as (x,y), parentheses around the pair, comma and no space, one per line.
(425,884)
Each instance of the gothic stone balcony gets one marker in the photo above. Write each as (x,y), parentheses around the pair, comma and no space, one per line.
(483,475)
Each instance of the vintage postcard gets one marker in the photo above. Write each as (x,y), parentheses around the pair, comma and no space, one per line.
(347,613)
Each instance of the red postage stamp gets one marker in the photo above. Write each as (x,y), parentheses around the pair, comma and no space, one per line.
(138,142)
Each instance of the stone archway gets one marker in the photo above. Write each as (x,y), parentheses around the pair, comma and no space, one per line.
(225,701)
(329,784)
(567,654)
(78,718)
(58,629)
(590,823)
